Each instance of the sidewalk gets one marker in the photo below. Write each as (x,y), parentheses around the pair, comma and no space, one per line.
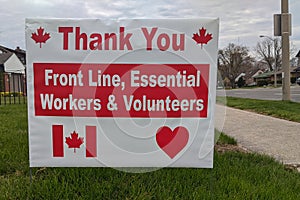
(267,135)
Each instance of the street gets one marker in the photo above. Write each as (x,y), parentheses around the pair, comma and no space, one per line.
(261,93)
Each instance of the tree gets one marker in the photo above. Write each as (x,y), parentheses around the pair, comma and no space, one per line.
(269,50)
(233,60)
(265,51)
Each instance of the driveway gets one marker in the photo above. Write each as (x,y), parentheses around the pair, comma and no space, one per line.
(261,93)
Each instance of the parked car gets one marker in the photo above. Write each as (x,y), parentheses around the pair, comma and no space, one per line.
(298,81)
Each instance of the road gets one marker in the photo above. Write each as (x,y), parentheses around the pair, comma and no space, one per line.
(262,93)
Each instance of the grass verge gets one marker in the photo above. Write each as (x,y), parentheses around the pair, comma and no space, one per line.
(224,139)
(235,175)
(281,109)
(13,100)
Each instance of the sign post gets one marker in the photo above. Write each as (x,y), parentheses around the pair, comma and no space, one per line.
(121,93)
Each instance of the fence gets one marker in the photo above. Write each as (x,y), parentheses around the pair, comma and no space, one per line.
(12,88)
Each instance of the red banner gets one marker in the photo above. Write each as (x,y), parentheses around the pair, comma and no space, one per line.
(121,90)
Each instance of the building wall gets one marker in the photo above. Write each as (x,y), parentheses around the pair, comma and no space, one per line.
(13,83)
(14,65)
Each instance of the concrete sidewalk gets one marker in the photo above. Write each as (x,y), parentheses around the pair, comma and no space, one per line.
(268,135)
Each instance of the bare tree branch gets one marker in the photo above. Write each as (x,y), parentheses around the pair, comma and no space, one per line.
(232,61)
(269,50)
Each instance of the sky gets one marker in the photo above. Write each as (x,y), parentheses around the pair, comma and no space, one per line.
(241,21)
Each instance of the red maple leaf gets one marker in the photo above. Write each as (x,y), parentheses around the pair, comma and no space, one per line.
(203,38)
(40,37)
(74,141)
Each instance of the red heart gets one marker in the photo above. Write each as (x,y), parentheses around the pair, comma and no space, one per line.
(172,142)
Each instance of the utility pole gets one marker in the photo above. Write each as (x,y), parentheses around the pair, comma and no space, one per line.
(285,35)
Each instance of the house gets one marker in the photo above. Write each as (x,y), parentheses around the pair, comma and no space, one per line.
(250,81)
(20,53)
(242,75)
(12,71)
(248,76)
(297,70)
(263,78)
(269,77)
(298,57)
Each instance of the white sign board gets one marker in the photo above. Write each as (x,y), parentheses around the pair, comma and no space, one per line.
(121,93)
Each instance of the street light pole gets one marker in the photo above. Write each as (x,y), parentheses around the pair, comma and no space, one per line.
(275,58)
(285,34)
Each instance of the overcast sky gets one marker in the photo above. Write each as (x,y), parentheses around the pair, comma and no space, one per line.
(241,21)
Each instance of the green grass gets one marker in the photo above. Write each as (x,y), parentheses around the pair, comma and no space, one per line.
(234,176)
(281,109)
(224,139)
(13,100)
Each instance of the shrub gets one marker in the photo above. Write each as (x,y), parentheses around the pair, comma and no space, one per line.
(11,94)
(262,82)
(293,80)
(241,82)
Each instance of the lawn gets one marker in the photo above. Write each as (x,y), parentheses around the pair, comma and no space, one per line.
(281,109)
(235,175)
(13,100)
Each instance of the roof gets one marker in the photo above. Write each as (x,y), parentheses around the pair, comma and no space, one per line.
(239,76)
(4,57)
(264,75)
(20,53)
(297,69)
(298,54)
(5,49)
(258,72)
(271,73)
(17,50)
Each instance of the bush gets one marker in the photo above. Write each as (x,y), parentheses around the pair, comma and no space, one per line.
(262,82)
(278,82)
(11,94)
(241,82)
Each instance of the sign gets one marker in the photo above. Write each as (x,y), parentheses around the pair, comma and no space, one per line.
(121,93)
(278,20)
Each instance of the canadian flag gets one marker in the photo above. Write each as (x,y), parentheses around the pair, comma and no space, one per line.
(74,141)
